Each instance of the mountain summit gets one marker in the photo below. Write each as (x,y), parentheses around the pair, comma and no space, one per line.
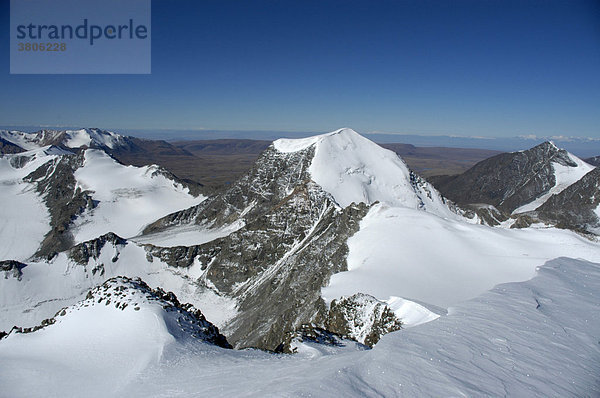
(354,169)
(517,182)
(342,165)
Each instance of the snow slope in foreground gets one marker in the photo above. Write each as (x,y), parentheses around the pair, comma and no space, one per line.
(534,338)
(122,323)
(129,197)
(416,255)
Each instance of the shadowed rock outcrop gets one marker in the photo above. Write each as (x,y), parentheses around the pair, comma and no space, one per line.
(574,208)
(507,181)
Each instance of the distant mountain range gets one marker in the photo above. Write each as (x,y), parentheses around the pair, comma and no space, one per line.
(217,163)
(580,146)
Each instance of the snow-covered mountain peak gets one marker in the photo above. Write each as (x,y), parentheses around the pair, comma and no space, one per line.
(548,152)
(566,170)
(92,137)
(344,137)
(515,182)
(353,168)
(86,137)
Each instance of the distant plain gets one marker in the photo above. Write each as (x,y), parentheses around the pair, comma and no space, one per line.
(218,163)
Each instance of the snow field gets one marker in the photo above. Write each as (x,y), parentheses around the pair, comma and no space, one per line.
(129,197)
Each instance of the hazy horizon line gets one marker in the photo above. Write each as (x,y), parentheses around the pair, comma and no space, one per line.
(37,127)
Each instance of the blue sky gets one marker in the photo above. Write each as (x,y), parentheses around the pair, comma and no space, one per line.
(472,68)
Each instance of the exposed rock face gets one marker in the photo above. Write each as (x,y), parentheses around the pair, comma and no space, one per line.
(12,268)
(507,181)
(489,214)
(56,183)
(82,252)
(7,147)
(272,178)
(131,294)
(287,293)
(523,221)
(276,265)
(574,208)
(361,317)
(293,240)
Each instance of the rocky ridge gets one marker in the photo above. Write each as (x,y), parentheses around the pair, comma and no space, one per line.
(55,182)
(576,207)
(126,294)
(293,239)
(494,188)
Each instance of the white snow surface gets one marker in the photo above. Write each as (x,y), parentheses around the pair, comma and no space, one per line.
(188,235)
(24,218)
(536,339)
(24,140)
(411,313)
(129,197)
(354,169)
(85,137)
(46,287)
(412,254)
(565,177)
(72,138)
(93,334)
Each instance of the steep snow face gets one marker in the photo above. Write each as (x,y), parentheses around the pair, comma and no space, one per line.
(565,177)
(128,197)
(412,254)
(534,338)
(24,140)
(24,218)
(355,169)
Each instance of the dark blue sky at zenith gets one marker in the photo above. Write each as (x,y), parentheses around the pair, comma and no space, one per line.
(472,68)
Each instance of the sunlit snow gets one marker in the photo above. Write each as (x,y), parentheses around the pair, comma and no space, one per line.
(534,338)
(129,197)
